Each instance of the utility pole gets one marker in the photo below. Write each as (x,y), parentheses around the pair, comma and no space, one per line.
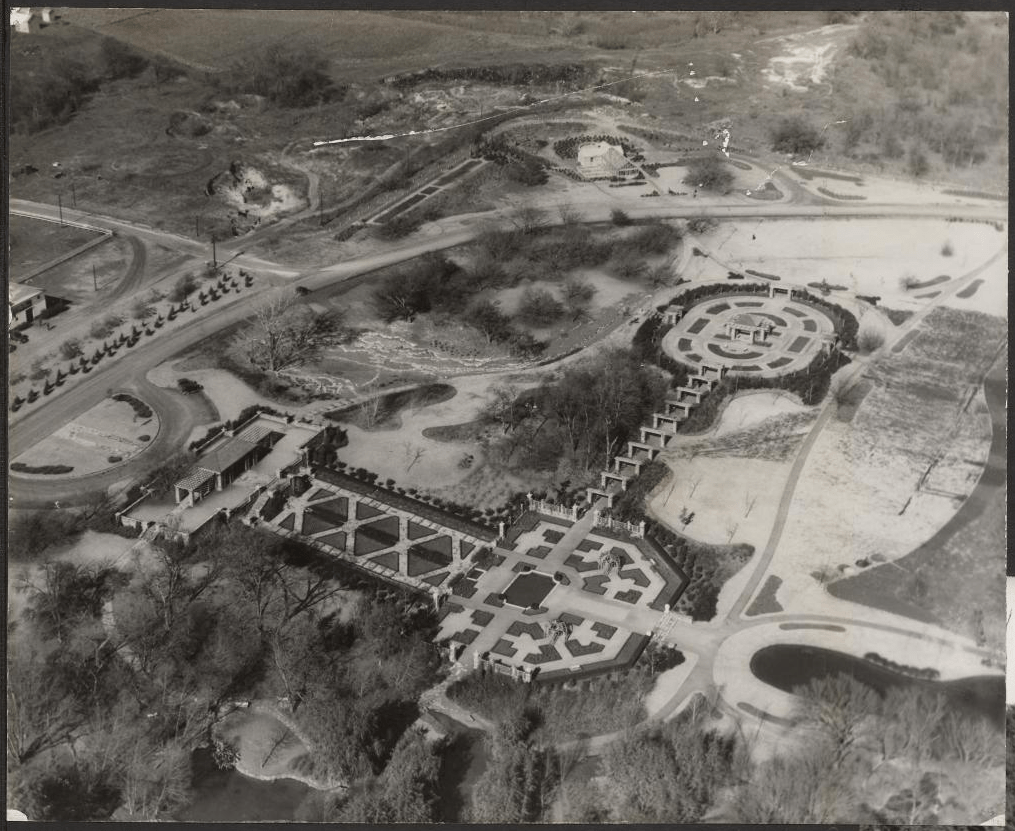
(197,225)
(95,281)
(320,202)
(73,193)
(214,260)
(59,202)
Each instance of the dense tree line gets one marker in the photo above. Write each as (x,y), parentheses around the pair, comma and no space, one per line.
(51,92)
(898,757)
(285,75)
(925,81)
(573,74)
(116,677)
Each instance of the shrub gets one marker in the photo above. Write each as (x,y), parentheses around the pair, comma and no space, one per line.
(141,309)
(701,224)
(870,340)
(947,250)
(183,287)
(629,267)
(21,467)
(538,307)
(797,136)
(620,218)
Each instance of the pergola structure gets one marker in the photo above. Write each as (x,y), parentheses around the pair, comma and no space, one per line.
(754,328)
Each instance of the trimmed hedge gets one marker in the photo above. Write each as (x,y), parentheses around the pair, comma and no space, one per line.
(21,467)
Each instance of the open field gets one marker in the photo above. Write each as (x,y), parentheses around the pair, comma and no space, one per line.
(954,575)
(864,256)
(35,242)
(732,479)
(917,412)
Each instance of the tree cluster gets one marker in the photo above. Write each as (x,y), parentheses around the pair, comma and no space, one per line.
(285,75)
(925,81)
(283,332)
(900,757)
(670,773)
(132,670)
(582,417)
(709,173)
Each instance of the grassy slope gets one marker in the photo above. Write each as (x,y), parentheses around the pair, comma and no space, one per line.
(957,572)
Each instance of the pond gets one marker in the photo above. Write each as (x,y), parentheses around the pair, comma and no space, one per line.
(786,666)
(528,589)
(229,796)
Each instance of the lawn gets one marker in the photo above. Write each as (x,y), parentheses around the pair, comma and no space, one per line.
(903,465)
(34,242)
(954,576)
(106,435)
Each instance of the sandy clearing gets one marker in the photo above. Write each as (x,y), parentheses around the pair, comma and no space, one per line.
(803,251)
(748,409)
(851,503)
(393,453)
(807,56)
(228,393)
(734,500)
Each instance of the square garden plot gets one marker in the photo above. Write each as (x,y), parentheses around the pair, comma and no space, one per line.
(528,589)
(553,537)
(376,536)
(539,552)
(698,325)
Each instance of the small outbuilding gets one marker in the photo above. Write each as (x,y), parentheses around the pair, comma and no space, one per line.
(25,21)
(25,304)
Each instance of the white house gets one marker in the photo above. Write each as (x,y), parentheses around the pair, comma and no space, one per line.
(47,14)
(25,303)
(601,159)
(24,20)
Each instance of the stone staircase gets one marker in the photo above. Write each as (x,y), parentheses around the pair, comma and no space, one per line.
(655,437)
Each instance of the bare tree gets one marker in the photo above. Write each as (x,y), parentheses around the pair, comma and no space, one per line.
(749,500)
(528,219)
(282,332)
(731,529)
(569,215)
(414,454)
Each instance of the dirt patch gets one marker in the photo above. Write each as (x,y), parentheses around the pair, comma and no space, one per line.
(255,195)
(807,57)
